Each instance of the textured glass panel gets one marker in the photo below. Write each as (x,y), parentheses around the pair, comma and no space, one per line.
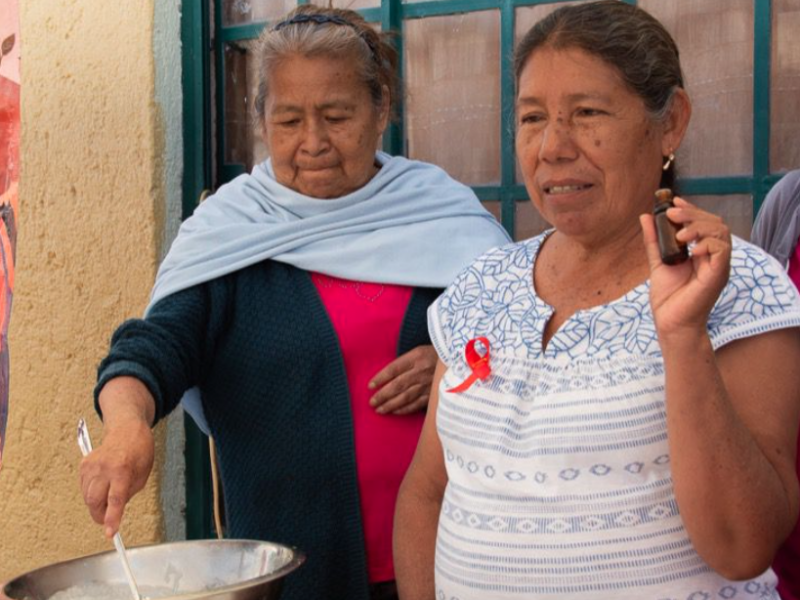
(351,4)
(715,38)
(785,108)
(527,221)
(240,12)
(453,94)
(243,144)
(736,210)
(527,16)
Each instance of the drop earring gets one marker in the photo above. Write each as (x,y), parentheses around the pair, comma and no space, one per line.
(667,164)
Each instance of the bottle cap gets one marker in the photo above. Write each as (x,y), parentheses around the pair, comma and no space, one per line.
(663,200)
(664,195)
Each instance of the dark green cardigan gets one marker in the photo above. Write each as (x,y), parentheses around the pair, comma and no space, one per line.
(262,349)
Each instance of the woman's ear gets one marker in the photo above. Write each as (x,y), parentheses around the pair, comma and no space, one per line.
(676,122)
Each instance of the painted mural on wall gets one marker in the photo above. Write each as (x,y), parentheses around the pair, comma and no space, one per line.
(9,184)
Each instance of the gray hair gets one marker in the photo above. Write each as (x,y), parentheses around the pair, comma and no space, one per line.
(374,54)
(624,37)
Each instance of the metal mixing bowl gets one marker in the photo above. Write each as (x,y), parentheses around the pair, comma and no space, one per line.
(206,569)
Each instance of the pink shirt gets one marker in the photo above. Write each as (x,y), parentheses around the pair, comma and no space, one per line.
(367,318)
(787,561)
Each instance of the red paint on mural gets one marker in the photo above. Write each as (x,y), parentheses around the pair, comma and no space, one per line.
(9,185)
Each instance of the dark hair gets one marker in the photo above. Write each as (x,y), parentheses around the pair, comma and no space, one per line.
(316,31)
(625,37)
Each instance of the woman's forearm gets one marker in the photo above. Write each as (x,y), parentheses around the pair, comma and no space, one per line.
(415,524)
(416,517)
(126,399)
(736,506)
(118,468)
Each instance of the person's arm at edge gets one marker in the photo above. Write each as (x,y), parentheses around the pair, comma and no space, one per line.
(418,504)
(150,363)
(115,471)
(732,421)
(732,414)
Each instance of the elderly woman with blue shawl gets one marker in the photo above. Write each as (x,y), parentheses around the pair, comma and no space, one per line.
(293,305)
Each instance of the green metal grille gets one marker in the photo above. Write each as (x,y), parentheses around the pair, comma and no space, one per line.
(393,13)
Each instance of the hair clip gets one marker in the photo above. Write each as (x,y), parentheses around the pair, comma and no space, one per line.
(322,20)
(318,19)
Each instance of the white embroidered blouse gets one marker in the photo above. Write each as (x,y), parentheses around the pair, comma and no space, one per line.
(558,465)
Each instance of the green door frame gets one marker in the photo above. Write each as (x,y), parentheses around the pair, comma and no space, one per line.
(392,15)
(196,44)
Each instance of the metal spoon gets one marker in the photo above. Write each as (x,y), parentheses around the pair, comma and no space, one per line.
(86,447)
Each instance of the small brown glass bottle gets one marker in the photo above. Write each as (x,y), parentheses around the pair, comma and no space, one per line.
(673,252)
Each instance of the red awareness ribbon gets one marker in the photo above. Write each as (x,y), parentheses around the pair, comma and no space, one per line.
(477,363)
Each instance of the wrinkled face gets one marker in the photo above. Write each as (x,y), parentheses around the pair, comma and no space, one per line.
(321,126)
(589,152)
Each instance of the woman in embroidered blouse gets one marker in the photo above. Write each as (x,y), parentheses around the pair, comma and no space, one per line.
(294,300)
(635,437)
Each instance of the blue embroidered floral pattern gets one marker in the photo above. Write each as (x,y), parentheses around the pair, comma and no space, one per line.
(558,465)
(495,297)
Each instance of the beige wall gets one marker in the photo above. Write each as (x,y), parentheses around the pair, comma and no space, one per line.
(91,214)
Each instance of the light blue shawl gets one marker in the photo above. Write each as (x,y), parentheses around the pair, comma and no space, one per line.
(411,224)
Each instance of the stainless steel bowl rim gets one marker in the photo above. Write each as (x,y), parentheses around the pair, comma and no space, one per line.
(298,558)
